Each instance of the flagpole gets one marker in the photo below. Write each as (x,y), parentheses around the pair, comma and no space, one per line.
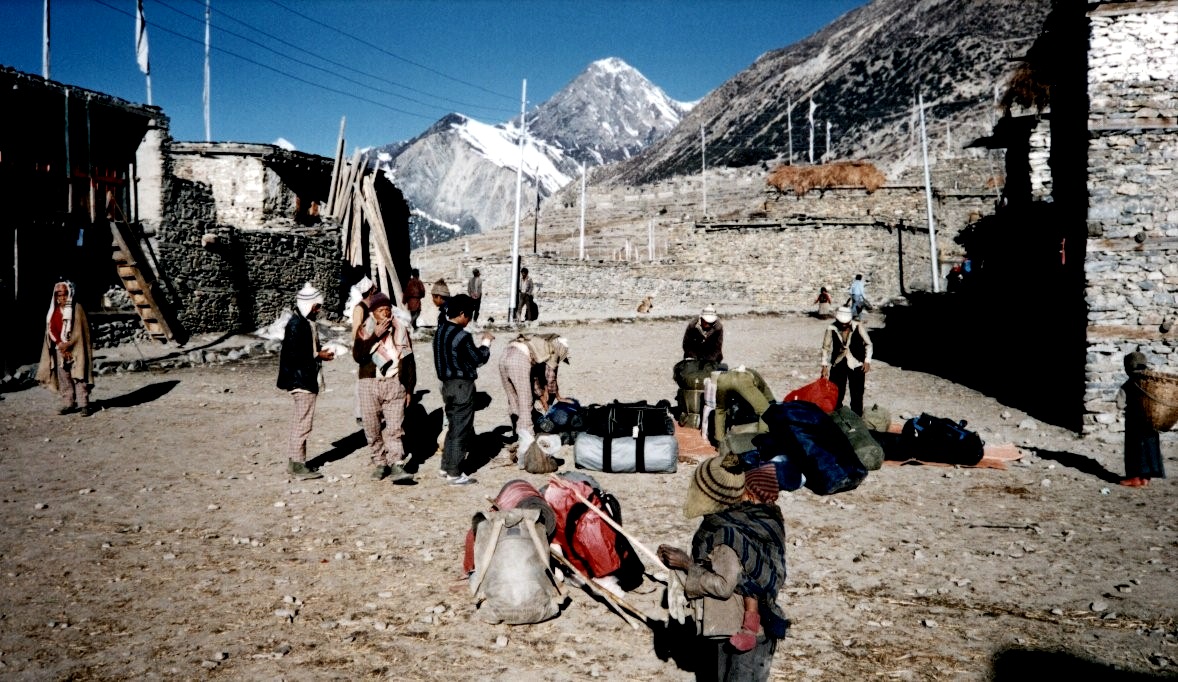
(789,117)
(519,183)
(811,118)
(208,72)
(703,168)
(45,43)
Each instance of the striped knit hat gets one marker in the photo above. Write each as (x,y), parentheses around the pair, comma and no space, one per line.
(762,483)
(713,488)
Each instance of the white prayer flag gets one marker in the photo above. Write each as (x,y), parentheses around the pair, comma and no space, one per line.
(812,108)
(141,39)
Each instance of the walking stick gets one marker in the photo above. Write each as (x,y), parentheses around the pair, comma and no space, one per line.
(615,602)
(556,480)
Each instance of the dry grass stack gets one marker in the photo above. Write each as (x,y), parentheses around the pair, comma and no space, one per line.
(1159,398)
(802,179)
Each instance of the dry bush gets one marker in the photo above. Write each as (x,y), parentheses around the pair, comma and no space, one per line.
(802,179)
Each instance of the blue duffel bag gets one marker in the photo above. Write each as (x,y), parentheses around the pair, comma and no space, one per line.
(810,439)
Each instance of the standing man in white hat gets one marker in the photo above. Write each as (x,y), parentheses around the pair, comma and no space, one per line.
(846,356)
(300,371)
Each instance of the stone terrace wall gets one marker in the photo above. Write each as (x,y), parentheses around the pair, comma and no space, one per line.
(245,191)
(1132,253)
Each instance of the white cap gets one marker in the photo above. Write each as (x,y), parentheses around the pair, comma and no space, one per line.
(843,314)
(708,315)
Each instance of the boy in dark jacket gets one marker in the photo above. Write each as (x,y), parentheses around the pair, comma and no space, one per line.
(299,371)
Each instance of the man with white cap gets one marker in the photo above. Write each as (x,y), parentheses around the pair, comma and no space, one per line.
(300,371)
(704,337)
(846,356)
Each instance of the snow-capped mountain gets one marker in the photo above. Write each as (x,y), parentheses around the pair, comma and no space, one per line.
(608,113)
(459,176)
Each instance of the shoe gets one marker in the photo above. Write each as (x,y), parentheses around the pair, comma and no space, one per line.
(460,479)
(381,472)
(443,475)
(1135,482)
(300,470)
(88,410)
(398,474)
(66,410)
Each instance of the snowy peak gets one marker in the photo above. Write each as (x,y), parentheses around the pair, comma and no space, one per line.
(607,113)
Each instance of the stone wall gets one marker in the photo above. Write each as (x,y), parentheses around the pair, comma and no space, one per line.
(226,278)
(1132,253)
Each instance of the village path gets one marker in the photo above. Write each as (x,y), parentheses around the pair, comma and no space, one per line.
(161,538)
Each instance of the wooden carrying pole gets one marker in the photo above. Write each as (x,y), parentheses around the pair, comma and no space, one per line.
(618,604)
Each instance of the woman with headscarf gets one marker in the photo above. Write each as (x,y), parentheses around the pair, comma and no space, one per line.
(1143,450)
(739,548)
(67,358)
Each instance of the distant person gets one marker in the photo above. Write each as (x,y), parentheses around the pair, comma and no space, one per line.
(411,297)
(300,371)
(824,304)
(456,361)
(527,293)
(474,289)
(1143,449)
(846,357)
(385,389)
(858,297)
(704,337)
(67,357)
(440,294)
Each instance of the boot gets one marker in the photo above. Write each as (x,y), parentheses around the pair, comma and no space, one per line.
(300,470)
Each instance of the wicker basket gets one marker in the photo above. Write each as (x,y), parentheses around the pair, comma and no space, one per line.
(1159,398)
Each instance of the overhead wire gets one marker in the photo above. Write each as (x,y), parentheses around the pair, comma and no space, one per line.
(222,13)
(328,88)
(398,57)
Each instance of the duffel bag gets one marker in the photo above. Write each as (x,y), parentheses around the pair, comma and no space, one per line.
(813,442)
(867,449)
(621,419)
(937,439)
(626,455)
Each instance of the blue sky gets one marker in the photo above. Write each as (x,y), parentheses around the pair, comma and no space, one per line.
(393,67)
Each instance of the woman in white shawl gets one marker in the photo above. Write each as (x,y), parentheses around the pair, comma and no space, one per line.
(67,358)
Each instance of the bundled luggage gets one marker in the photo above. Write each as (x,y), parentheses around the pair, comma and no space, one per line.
(937,439)
(627,438)
(586,540)
(867,448)
(811,440)
(512,581)
(822,392)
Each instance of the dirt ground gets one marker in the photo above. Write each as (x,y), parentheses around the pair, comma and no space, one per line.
(162,538)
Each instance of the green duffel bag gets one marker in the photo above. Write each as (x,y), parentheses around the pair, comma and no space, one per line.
(867,449)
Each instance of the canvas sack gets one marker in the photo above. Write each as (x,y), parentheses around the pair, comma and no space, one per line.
(512,582)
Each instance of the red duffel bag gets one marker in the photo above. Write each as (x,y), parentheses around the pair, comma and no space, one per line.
(822,393)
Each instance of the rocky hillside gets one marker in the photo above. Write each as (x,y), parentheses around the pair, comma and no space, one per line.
(863,74)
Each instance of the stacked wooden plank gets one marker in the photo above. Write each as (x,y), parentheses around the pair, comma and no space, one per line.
(352,201)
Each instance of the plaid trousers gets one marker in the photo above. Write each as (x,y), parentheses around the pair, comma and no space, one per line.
(383,398)
(72,391)
(300,424)
(515,367)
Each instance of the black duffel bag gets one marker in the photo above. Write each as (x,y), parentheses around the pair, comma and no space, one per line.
(937,439)
(618,419)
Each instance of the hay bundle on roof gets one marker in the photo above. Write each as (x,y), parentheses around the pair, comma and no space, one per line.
(802,179)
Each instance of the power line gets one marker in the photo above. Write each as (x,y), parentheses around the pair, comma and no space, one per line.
(377,77)
(270,68)
(398,57)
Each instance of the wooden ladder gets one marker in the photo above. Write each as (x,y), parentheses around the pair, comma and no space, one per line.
(140,282)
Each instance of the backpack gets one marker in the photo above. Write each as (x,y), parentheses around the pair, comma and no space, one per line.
(512,582)
(937,439)
(587,541)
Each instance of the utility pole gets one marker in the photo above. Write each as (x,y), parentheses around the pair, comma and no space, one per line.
(519,183)
(703,167)
(582,253)
(928,198)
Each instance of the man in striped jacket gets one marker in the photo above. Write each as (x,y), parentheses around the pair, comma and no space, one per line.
(456,360)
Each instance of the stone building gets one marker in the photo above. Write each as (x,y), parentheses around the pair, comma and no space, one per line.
(1131,263)
(229,231)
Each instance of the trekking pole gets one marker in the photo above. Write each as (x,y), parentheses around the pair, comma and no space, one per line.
(617,603)
(556,480)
